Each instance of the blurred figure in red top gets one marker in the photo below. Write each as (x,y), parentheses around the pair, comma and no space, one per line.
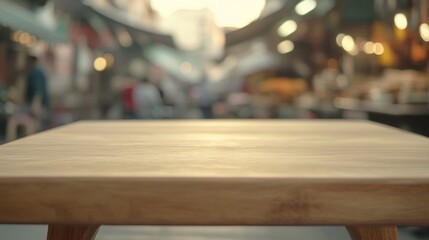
(129,105)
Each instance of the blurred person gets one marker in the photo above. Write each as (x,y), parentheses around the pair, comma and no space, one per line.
(129,103)
(157,77)
(174,97)
(192,112)
(148,100)
(34,114)
(204,97)
(36,93)
(164,85)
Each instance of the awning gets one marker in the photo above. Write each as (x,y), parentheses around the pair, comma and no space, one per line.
(19,18)
(112,16)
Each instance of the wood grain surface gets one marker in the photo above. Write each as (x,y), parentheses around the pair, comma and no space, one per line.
(373,232)
(72,232)
(217,173)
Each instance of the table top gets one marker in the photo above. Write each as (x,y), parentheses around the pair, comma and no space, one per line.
(220,172)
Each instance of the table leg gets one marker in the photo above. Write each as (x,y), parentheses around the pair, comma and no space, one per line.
(373,232)
(72,232)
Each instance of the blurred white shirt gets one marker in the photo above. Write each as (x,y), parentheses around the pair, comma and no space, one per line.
(148,101)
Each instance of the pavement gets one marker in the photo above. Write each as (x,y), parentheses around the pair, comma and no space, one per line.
(38,232)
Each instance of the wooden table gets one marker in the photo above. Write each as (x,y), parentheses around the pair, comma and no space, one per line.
(354,173)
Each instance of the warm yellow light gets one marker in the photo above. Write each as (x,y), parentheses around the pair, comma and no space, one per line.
(348,43)
(339,39)
(400,21)
(305,6)
(424,32)
(24,38)
(224,11)
(378,48)
(287,28)
(186,67)
(368,47)
(100,64)
(285,47)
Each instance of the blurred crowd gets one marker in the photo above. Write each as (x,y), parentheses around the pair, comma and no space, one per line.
(63,61)
(28,107)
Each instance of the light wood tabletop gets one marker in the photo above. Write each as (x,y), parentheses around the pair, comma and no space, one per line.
(220,172)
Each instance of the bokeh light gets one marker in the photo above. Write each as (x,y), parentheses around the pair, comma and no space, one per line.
(305,6)
(100,64)
(287,28)
(401,21)
(285,47)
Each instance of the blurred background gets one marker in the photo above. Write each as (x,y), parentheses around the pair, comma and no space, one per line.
(63,61)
